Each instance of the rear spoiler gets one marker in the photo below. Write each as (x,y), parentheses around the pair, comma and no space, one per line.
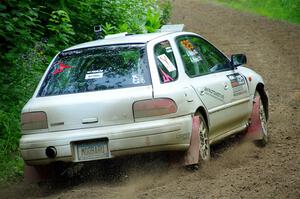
(122,34)
(172,28)
(165,28)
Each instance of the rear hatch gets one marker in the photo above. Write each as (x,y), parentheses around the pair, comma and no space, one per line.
(94,87)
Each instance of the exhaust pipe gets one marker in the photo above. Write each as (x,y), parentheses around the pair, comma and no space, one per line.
(51,152)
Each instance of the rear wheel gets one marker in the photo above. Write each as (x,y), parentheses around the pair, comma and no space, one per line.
(204,148)
(263,120)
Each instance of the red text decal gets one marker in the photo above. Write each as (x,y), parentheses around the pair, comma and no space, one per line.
(166,77)
(61,68)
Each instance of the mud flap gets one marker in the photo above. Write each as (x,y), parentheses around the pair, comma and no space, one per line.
(255,131)
(33,174)
(192,154)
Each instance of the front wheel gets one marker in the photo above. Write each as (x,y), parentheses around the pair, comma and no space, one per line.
(263,120)
(204,147)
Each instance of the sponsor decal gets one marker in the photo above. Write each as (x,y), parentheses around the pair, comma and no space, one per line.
(187,44)
(193,54)
(165,44)
(166,62)
(169,50)
(166,77)
(137,79)
(214,94)
(94,74)
(61,68)
(238,84)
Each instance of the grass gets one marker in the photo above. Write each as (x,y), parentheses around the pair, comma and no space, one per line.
(11,164)
(11,168)
(286,10)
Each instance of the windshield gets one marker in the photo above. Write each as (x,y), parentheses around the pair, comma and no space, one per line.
(99,68)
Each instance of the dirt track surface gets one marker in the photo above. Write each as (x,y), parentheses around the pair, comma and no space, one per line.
(237,170)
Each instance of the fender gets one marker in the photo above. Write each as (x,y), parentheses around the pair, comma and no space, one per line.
(255,78)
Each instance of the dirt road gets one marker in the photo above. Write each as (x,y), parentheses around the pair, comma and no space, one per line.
(237,170)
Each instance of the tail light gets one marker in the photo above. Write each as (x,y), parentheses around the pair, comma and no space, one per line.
(154,107)
(34,120)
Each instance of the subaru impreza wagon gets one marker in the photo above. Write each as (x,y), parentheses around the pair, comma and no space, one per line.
(124,94)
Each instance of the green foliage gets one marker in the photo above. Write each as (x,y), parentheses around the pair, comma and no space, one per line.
(110,29)
(19,25)
(11,167)
(288,10)
(153,21)
(166,12)
(33,31)
(60,28)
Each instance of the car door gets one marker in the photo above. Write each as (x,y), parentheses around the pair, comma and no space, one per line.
(213,80)
(166,79)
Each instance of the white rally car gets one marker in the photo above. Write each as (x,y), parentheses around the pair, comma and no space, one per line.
(124,94)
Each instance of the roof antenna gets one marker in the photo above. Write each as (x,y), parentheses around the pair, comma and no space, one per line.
(98,32)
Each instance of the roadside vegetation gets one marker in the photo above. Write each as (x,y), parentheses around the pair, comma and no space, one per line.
(33,31)
(287,10)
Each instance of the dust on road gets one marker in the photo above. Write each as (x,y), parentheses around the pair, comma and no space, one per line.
(237,170)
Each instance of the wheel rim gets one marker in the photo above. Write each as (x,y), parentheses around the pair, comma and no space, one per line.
(263,120)
(204,143)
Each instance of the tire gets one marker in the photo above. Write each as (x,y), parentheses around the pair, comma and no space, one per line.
(263,119)
(204,148)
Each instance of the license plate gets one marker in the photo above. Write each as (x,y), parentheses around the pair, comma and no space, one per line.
(92,150)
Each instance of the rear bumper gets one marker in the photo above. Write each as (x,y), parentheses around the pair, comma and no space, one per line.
(159,135)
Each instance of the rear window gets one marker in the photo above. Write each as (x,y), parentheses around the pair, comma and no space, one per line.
(94,69)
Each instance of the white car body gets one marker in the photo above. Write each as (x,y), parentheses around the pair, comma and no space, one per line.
(108,115)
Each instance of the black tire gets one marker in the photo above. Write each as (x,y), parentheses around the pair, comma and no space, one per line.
(263,119)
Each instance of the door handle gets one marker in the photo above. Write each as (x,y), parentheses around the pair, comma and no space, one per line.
(89,120)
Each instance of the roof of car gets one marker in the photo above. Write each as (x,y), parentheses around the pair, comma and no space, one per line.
(128,39)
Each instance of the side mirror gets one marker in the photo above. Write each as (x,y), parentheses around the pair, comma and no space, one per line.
(238,59)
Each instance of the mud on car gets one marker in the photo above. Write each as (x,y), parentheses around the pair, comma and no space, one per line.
(124,94)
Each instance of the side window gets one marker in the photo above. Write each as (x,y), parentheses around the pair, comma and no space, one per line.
(193,61)
(165,62)
(200,57)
